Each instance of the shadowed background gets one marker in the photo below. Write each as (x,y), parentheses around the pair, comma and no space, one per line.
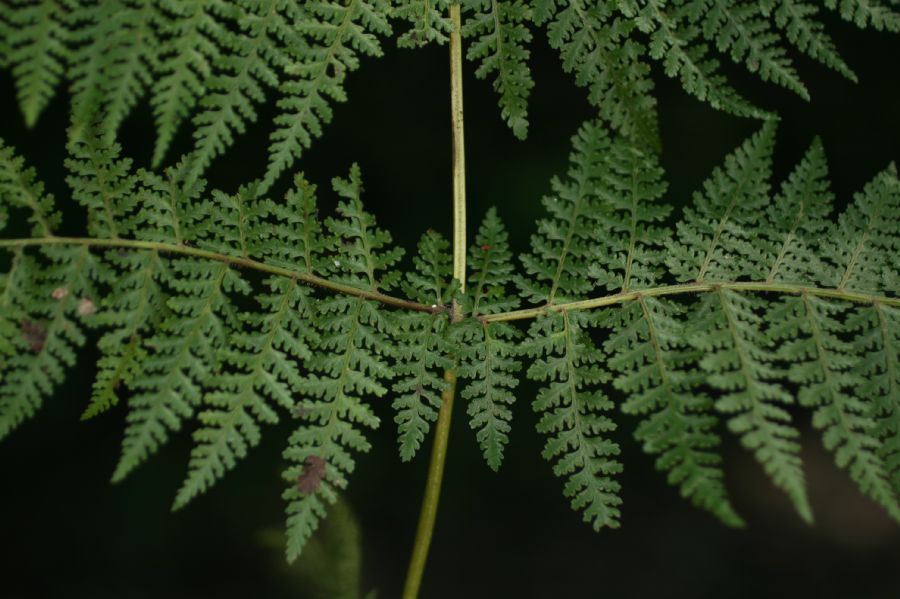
(65,532)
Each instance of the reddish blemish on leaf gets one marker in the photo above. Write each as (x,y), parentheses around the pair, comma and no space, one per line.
(60,293)
(86,307)
(34,334)
(313,474)
(485,247)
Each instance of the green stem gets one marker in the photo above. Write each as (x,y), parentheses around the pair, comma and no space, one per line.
(241,262)
(428,512)
(525,314)
(620,298)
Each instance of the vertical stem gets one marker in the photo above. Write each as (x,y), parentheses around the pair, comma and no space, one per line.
(459,154)
(428,512)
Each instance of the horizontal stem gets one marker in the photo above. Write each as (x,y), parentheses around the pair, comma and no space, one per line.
(233,260)
(618,298)
(528,313)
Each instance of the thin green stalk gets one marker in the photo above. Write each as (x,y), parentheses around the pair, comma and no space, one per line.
(241,262)
(428,513)
(619,298)
(524,314)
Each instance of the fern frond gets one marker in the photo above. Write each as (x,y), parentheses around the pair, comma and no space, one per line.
(595,45)
(50,297)
(741,30)
(184,357)
(571,408)
(797,19)
(102,183)
(421,346)
(628,189)
(797,221)
(739,362)
(501,39)
(193,34)
(867,13)
(20,189)
(879,375)
(113,61)
(489,349)
(261,359)
(337,32)
(37,37)
(565,244)
(349,364)
(654,366)
(490,366)
(136,306)
(428,20)
(677,43)
(715,239)
(263,45)
(829,383)
(863,246)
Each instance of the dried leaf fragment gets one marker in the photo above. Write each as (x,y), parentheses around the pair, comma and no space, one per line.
(34,334)
(313,474)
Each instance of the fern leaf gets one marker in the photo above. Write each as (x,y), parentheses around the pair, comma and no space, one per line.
(293,236)
(192,30)
(112,65)
(421,357)
(566,244)
(879,374)
(797,221)
(19,188)
(184,357)
(51,309)
(38,39)
(739,363)
(102,183)
(595,46)
(571,409)
(490,367)
(428,20)
(677,44)
(829,384)
(867,13)
(488,350)
(337,32)
(866,239)
(653,363)
(715,239)
(136,307)
(421,347)
(263,366)
(265,43)
(797,19)
(500,44)
(741,29)
(349,364)
(628,189)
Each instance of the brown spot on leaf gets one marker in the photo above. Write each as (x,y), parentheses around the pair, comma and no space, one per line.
(86,307)
(313,474)
(485,248)
(60,293)
(34,334)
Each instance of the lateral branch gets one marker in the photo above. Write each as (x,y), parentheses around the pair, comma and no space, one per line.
(397,302)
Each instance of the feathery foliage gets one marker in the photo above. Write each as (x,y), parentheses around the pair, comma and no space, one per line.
(225,311)
(210,64)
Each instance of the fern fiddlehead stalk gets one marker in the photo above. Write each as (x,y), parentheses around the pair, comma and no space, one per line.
(428,511)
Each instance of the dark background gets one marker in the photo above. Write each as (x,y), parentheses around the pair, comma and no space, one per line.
(65,532)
